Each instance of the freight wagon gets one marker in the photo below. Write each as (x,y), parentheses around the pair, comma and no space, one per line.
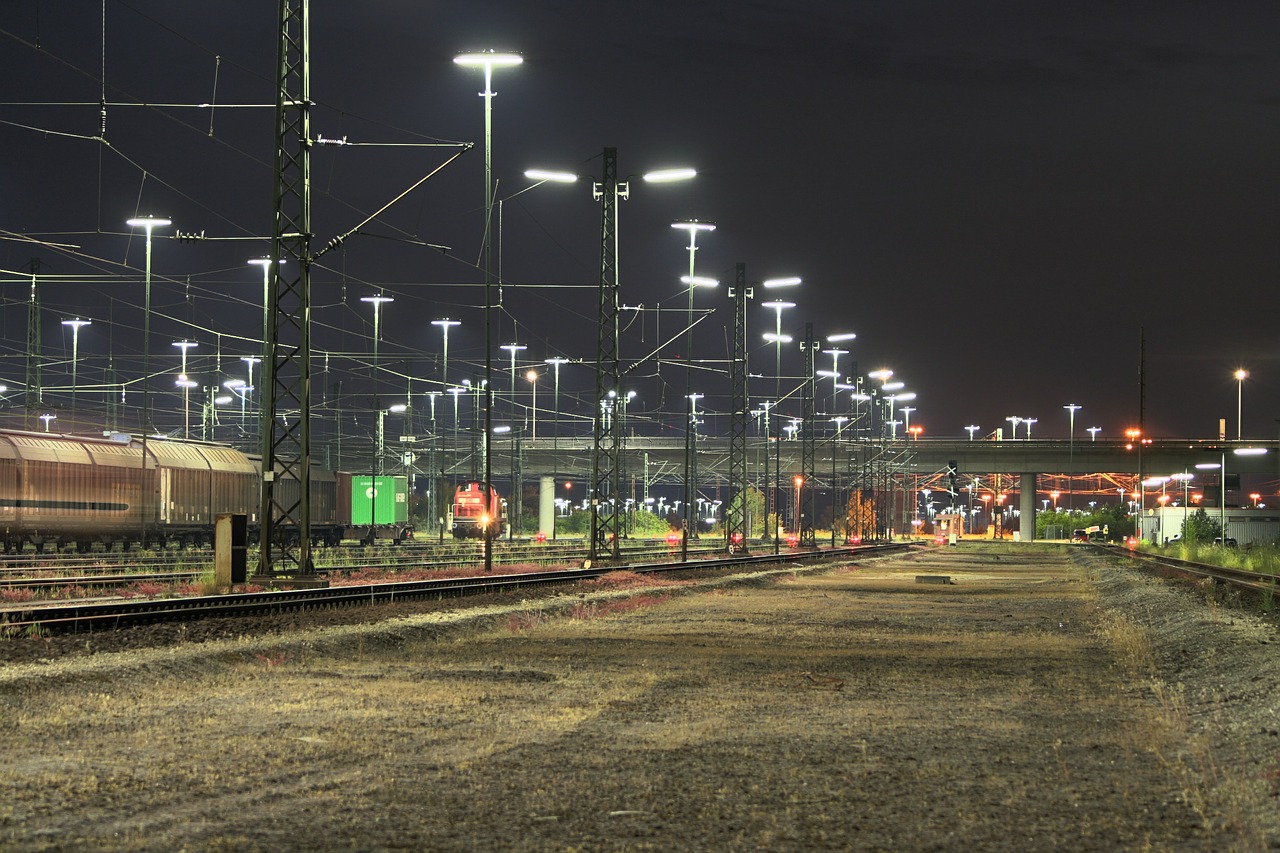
(58,490)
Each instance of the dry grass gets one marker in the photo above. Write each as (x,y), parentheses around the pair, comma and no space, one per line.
(835,711)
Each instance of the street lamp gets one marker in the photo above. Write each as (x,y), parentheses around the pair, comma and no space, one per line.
(241,389)
(377,464)
(1014,420)
(972,428)
(186,385)
(1241,375)
(555,363)
(513,348)
(1093,432)
(75,325)
(444,324)
(1029,422)
(149,223)
(265,263)
(1071,408)
(609,191)
(488,60)
(249,362)
(692,280)
(532,376)
(906,417)
(839,421)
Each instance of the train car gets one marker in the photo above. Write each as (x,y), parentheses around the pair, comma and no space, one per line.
(59,490)
(472,518)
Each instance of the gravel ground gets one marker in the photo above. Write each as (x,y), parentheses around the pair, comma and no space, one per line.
(1047,699)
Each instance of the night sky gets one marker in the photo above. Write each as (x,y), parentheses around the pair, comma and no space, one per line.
(998,197)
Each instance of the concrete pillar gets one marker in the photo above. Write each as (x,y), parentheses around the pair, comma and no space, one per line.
(1027,506)
(546,505)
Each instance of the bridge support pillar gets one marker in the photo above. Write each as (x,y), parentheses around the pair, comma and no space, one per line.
(1027,507)
(547,505)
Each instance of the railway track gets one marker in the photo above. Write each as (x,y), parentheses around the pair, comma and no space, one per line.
(79,571)
(1240,579)
(110,615)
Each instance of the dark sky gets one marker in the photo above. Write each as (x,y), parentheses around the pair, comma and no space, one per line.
(996,196)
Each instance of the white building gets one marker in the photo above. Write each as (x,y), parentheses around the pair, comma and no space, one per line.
(1246,525)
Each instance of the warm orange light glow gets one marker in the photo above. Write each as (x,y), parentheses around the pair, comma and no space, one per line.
(799,481)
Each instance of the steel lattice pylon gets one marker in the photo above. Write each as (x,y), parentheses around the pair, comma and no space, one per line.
(604,456)
(736,532)
(286,357)
(808,537)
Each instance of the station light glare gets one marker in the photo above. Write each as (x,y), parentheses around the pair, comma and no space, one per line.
(693,225)
(488,59)
(771,283)
(1250,451)
(666,176)
(551,176)
(699,281)
(882,375)
(774,338)
(847,336)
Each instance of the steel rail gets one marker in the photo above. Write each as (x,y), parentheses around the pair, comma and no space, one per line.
(119,614)
(1238,578)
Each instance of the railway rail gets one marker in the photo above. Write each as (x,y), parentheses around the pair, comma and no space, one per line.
(1241,579)
(110,615)
(72,570)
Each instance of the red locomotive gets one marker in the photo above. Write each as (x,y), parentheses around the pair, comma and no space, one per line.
(473,517)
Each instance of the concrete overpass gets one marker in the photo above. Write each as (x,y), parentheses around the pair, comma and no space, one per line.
(661,460)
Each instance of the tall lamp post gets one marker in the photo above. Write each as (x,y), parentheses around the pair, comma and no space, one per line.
(249,362)
(692,281)
(379,451)
(513,348)
(778,339)
(149,223)
(1241,375)
(1071,408)
(555,363)
(265,263)
(75,326)
(605,453)
(185,383)
(839,421)
(445,324)
(488,60)
(532,376)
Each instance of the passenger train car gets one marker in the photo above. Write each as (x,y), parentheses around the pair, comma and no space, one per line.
(61,490)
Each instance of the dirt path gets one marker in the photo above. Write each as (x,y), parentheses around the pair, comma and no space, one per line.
(855,708)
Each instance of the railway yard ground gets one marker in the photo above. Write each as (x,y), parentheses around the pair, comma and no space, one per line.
(1047,698)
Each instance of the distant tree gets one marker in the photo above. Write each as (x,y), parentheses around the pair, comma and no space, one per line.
(1200,527)
(754,500)
(860,517)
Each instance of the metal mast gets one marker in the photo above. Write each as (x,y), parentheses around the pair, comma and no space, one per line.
(805,500)
(604,456)
(33,381)
(286,356)
(736,533)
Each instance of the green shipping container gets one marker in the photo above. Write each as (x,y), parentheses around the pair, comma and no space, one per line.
(386,504)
